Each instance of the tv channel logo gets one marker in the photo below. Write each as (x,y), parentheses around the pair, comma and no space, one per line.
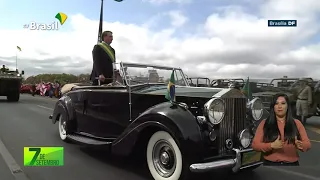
(43,156)
(282,23)
(33,25)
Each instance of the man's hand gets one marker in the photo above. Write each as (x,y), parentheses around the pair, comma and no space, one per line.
(277,144)
(298,143)
(101,77)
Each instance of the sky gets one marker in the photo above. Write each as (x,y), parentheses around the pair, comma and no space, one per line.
(208,38)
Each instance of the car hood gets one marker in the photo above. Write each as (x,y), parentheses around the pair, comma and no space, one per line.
(203,92)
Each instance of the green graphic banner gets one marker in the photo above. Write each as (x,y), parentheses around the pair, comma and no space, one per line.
(43,156)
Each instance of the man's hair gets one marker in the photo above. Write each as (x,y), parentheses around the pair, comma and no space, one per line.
(105,33)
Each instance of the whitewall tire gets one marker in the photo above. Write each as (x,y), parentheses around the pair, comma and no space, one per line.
(164,157)
(62,124)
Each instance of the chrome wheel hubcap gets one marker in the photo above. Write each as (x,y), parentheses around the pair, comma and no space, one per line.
(62,125)
(164,159)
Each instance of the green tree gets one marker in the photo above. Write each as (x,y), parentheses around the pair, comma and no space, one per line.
(62,78)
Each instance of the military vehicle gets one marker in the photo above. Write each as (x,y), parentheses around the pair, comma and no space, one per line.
(217,83)
(268,90)
(225,83)
(290,87)
(199,81)
(314,109)
(317,98)
(10,83)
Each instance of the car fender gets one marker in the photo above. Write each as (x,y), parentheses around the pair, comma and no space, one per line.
(176,120)
(63,106)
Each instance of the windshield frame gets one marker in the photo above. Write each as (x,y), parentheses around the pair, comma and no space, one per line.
(140,65)
(283,79)
(310,82)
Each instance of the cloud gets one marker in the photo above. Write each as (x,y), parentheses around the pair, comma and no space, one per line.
(178,19)
(161,2)
(229,43)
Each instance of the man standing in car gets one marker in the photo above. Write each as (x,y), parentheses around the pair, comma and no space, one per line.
(103,60)
(304,100)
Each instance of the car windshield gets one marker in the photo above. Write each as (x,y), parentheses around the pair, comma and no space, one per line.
(135,74)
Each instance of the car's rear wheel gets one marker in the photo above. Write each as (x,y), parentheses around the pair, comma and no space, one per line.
(164,157)
(62,124)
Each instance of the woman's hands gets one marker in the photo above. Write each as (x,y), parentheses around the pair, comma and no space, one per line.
(277,144)
(298,144)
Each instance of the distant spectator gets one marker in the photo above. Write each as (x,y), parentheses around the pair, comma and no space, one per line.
(4,69)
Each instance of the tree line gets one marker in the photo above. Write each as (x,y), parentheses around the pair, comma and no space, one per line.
(61,78)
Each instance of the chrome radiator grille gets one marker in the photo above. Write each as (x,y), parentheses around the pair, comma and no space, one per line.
(233,122)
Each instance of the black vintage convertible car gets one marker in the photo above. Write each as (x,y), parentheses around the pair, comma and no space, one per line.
(205,128)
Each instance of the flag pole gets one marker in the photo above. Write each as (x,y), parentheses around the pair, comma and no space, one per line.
(100,23)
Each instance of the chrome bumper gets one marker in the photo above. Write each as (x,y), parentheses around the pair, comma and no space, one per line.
(235,163)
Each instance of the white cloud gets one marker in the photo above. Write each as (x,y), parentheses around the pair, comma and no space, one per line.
(178,19)
(290,8)
(160,2)
(231,43)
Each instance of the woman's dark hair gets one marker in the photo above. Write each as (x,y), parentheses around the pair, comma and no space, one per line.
(271,130)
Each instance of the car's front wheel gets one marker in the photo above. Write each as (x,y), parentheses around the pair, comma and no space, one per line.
(62,124)
(164,157)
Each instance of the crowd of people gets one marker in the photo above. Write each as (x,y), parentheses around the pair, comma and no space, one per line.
(43,89)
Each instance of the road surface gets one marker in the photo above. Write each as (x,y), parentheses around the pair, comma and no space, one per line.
(26,123)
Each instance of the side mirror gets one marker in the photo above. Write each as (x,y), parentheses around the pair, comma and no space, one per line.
(22,72)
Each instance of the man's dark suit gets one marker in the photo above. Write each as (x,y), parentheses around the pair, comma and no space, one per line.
(102,64)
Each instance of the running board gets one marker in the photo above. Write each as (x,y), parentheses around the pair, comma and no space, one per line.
(83,140)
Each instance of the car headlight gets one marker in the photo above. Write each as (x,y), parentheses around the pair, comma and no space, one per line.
(256,108)
(244,138)
(215,110)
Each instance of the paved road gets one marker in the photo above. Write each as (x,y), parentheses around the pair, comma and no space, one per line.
(26,124)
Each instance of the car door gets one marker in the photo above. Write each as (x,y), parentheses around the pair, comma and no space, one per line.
(108,110)
(79,103)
